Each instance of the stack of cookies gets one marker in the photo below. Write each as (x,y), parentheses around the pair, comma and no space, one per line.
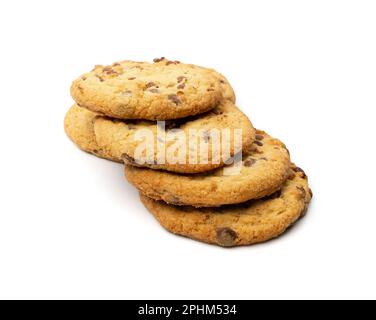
(201,168)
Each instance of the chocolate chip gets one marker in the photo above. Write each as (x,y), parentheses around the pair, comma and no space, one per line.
(131,78)
(100,78)
(259,137)
(174,98)
(127,93)
(302,190)
(297,169)
(149,85)
(128,159)
(154,90)
(83,78)
(116,64)
(159,59)
(222,81)
(172,62)
(109,70)
(259,143)
(181,86)
(226,237)
(217,111)
(292,175)
(210,89)
(249,162)
(263,158)
(181,78)
(80,89)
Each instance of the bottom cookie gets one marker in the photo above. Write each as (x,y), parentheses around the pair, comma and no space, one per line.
(235,225)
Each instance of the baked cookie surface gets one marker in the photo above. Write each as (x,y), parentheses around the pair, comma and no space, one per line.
(262,172)
(228,92)
(162,90)
(120,139)
(79,126)
(235,225)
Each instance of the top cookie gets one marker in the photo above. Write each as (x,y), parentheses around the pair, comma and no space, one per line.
(162,90)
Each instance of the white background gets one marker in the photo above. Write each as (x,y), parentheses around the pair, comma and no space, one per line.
(72,227)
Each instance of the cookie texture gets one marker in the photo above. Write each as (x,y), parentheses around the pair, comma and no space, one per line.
(162,90)
(121,139)
(248,223)
(262,172)
(228,92)
(79,126)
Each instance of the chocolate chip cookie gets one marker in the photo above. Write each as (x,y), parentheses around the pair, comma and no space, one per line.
(119,139)
(162,90)
(262,172)
(236,225)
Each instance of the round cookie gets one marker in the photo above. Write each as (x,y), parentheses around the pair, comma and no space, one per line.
(140,90)
(119,138)
(262,172)
(79,127)
(236,225)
